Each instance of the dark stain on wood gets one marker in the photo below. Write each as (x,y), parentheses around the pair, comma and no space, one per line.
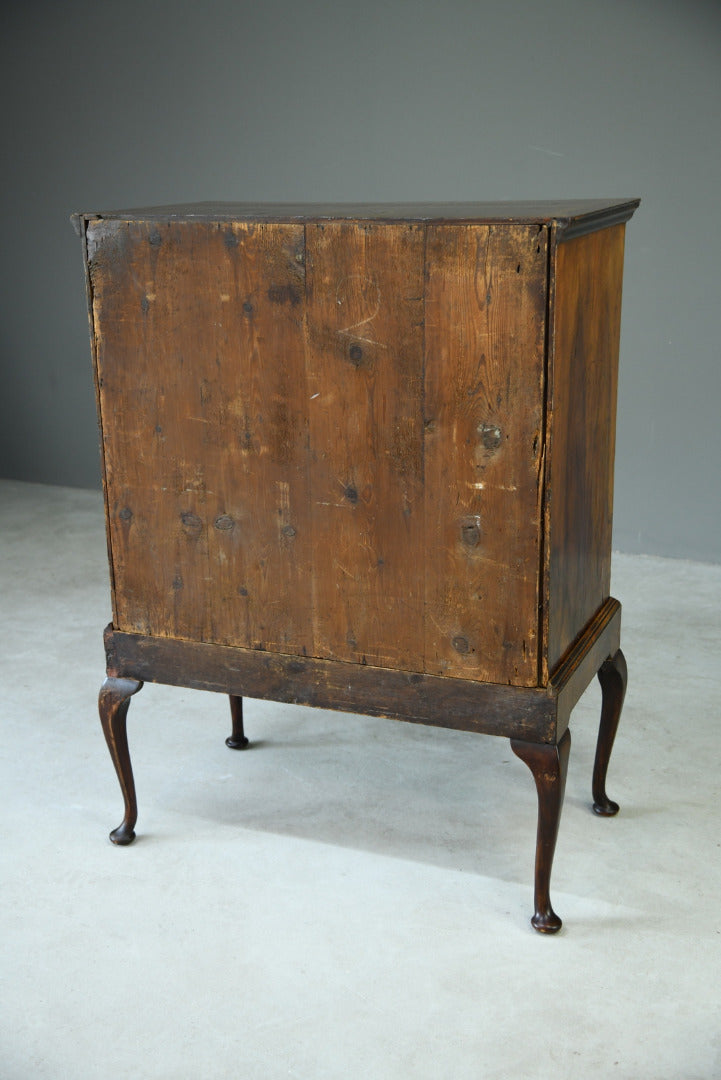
(471,531)
(284,294)
(192,524)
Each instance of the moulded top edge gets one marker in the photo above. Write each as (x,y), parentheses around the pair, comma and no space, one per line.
(571,216)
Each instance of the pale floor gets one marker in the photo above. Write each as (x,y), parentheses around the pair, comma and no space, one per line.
(350,898)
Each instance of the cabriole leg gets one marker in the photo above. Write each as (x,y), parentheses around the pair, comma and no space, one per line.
(113,702)
(613,678)
(237,740)
(549,765)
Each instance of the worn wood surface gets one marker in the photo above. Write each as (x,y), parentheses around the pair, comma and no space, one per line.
(485,320)
(325,440)
(365,401)
(583,373)
(571,216)
(518,712)
(535,713)
(359,440)
(365,464)
(201,368)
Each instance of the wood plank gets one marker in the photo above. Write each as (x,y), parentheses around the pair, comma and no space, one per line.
(464,705)
(200,357)
(365,379)
(485,320)
(582,425)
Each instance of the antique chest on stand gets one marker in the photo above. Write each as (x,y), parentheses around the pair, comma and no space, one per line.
(361,457)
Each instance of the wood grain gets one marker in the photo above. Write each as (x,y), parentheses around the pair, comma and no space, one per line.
(582,424)
(365,380)
(485,310)
(575,215)
(200,359)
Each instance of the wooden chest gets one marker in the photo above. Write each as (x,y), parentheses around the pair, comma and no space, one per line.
(362,457)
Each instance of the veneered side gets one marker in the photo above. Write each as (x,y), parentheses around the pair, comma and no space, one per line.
(583,376)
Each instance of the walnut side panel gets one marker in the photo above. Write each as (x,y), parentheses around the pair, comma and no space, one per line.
(485,341)
(365,363)
(582,424)
(200,361)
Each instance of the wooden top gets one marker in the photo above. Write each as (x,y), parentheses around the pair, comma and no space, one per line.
(572,217)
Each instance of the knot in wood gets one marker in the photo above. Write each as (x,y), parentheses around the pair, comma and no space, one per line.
(471,531)
(192,525)
(224,523)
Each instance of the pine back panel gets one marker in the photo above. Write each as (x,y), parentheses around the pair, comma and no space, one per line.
(326,439)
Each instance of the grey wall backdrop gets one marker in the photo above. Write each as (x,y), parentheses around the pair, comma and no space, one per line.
(120,104)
